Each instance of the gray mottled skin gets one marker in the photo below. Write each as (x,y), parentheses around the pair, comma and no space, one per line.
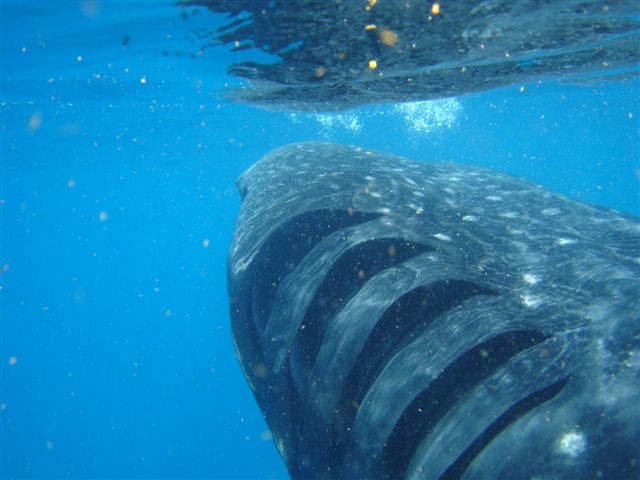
(453,392)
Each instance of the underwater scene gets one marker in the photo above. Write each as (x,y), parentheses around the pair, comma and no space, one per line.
(319,239)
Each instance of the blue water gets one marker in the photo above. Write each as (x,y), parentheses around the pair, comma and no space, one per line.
(118,205)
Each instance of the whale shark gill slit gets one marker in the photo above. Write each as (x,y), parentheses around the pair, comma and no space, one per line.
(467,371)
(518,410)
(300,234)
(343,281)
(406,319)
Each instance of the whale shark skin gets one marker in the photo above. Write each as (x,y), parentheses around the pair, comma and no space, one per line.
(405,319)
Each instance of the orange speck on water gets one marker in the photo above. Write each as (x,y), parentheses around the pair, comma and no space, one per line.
(388,37)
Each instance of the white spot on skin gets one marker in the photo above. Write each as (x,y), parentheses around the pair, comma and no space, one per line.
(564,241)
(375,195)
(280,447)
(530,278)
(530,301)
(469,218)
(550,211)
(443,237)
(572,444)
(493,198)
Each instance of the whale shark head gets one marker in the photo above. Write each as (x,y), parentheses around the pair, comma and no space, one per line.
(400,319)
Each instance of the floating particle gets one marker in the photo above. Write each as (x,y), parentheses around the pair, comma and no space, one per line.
(104,216)
(388,37)
(13,360)
(260,370)
(34,123)
(71,183)
(435,9)
(373,64)
(90,8)
(205,243)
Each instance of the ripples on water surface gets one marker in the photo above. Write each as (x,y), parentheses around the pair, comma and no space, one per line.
(339,54)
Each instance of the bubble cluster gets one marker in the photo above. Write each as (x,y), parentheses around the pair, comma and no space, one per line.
(418,118)
(342,121)
(424,117)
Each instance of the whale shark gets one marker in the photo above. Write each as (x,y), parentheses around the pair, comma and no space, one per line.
(406,319)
